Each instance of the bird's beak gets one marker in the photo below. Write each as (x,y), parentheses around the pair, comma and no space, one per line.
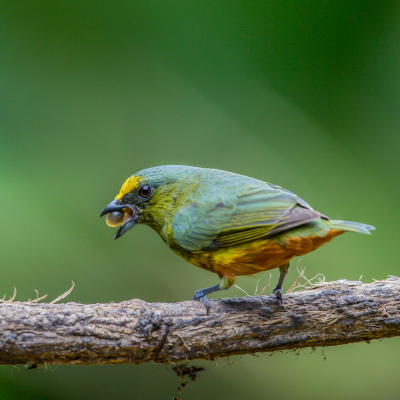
(115,206)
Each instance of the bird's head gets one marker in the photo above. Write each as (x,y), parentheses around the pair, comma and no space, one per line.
(150,196)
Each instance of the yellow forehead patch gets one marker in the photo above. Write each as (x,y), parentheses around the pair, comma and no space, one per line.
(130,184)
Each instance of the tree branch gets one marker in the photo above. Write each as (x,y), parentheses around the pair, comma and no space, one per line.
(134,332)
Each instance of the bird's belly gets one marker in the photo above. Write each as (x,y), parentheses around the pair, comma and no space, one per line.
(259,255)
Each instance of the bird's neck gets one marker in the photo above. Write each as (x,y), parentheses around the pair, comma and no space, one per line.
(160,215)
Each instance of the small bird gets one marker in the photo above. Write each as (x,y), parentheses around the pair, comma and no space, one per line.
(223,222)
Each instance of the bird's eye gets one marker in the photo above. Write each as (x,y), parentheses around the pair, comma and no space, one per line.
(145,192)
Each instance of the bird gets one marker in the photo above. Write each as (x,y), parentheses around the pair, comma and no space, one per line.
(226,223)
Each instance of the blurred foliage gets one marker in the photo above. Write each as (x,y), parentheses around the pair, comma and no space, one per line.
(301,94)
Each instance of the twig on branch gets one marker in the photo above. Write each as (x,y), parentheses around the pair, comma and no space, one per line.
(134,332)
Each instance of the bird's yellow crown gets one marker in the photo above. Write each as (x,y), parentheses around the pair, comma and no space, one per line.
(130,184)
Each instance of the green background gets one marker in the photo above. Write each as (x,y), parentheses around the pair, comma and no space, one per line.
(301,94)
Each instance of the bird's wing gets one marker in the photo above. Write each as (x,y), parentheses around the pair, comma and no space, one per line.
(225,219)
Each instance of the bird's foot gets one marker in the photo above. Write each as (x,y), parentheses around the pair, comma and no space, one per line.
(278,293)
(201,296)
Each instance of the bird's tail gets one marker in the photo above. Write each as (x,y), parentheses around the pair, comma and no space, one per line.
(348,226)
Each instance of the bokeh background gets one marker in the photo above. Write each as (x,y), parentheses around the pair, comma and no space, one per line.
(302,94)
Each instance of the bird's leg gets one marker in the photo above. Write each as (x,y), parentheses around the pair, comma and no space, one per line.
(201,294)
(278,288)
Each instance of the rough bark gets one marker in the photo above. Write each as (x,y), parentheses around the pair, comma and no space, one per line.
(134,332)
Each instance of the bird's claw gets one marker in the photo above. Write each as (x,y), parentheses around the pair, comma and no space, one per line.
(200,296)
(278,292)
